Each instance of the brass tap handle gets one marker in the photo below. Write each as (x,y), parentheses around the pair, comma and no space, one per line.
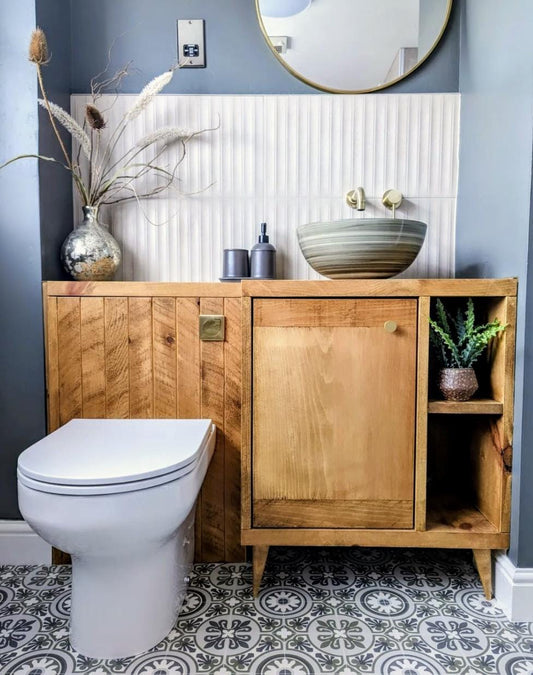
(392,199)
(390,326)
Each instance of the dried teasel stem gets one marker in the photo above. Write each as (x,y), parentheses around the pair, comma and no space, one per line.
(38,51)
(38,54)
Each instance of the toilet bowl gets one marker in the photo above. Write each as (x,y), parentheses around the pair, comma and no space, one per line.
(119,496)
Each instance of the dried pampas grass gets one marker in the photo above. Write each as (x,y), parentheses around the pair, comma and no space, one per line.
(69,123)
(165,135)
(147,94)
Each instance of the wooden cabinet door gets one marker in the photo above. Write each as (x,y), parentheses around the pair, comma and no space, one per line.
(333,413)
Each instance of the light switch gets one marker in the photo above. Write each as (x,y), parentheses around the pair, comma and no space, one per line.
(191,43)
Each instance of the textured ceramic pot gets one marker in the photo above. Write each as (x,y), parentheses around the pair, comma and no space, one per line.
(458,384)
(90,252)
(361,247)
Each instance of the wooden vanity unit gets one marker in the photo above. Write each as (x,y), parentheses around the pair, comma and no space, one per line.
(343,442)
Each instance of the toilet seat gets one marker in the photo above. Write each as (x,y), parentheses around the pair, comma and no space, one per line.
(101,456)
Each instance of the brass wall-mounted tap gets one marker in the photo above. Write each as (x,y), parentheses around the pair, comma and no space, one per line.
(356,199)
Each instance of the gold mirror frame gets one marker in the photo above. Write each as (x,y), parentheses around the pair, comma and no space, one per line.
(332,90)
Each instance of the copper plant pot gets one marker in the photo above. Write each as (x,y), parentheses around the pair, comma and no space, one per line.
(458,384)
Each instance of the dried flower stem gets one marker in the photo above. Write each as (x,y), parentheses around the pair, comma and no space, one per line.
(101,176)
(141,102)
(165,134)
(70,125)
(52,121)
(147,94)
(94,117)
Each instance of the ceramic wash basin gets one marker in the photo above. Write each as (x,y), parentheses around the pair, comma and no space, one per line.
(361,248)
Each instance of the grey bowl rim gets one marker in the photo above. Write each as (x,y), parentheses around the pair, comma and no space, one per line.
(360,221)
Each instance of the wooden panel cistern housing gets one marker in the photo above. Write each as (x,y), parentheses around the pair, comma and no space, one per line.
(342,440)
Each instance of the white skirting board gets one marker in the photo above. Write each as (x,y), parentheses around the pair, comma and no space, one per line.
(513,588)
(19,545)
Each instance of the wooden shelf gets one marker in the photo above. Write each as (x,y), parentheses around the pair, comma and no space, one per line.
(443,517)
(476,406)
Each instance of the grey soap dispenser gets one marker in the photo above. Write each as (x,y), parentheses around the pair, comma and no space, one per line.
(263,257)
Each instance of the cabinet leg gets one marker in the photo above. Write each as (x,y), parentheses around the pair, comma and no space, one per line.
(483,561)
(60,558)
(260,554)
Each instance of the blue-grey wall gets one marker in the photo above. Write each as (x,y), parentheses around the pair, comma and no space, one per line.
(56,184)
(494,199)
(22,401)
(238,59)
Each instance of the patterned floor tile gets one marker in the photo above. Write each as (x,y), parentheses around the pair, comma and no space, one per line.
(344,611)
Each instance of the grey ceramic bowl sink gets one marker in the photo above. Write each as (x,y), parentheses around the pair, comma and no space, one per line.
(361,248)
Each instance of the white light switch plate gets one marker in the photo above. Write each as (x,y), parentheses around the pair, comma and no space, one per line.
(191,43)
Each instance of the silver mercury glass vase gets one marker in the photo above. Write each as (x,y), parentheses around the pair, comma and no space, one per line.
(90,252)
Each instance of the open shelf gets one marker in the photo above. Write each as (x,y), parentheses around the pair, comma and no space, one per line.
(477,406)
(443,516)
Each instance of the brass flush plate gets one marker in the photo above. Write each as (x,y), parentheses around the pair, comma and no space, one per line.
(212,327)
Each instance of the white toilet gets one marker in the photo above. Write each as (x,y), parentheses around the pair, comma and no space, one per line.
(119,496)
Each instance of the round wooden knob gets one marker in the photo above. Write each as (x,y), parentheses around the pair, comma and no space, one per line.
(390,326)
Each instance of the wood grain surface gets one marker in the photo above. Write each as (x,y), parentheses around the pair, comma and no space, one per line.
(141,357)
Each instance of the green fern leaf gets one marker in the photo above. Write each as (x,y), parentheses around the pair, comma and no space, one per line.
(470,317)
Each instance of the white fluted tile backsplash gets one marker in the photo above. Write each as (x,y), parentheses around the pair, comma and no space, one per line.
(286,160)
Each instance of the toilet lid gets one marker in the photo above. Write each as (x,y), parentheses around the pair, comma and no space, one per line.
(112,452)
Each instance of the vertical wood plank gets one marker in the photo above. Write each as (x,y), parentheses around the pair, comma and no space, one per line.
(508,409)
(188,310)
(92,357)
(188,378)
(422,414)
(246,422)
(116,358)
(52,355)
(212,407)
(140,358)
(165,357)
(69,366)
(498,448)
(232,430)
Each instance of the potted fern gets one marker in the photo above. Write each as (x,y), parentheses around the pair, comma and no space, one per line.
(458,343)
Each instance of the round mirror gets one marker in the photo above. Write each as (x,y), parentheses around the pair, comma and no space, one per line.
(352,46)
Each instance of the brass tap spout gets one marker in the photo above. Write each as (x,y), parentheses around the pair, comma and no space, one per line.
(356,199)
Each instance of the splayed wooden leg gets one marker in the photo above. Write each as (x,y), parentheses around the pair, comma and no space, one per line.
(260,555)
(483,561)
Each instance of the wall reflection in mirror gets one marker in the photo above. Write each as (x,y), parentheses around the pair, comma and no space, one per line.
(352,45)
